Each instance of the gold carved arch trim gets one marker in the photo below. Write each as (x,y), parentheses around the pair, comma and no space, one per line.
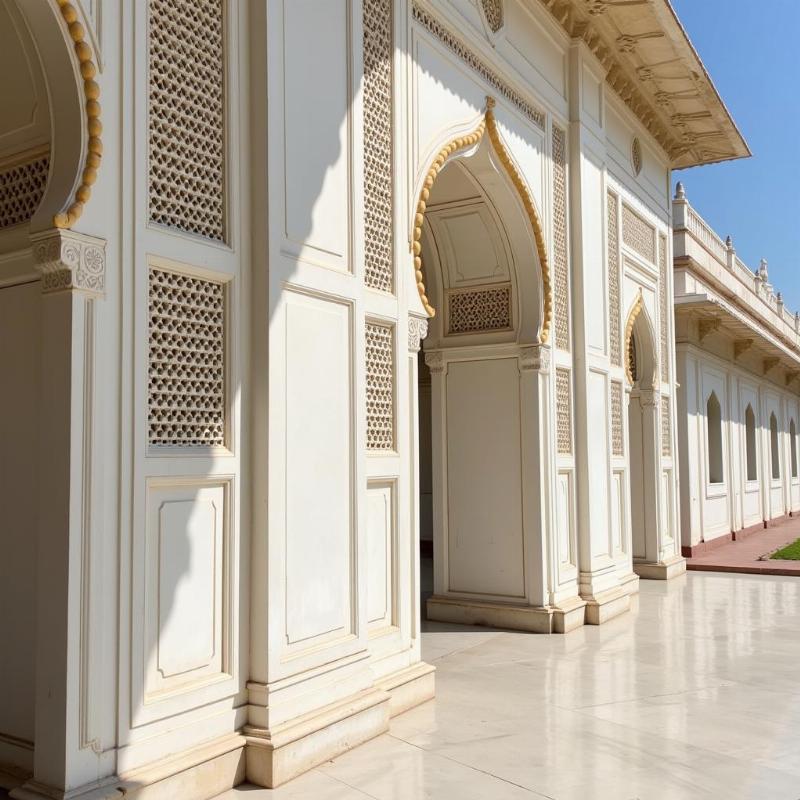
(91,92)
(487,125)
(636,309)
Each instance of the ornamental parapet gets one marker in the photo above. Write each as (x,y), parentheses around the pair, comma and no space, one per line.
(718,276)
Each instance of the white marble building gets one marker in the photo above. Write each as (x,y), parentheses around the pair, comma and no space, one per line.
(282,284)
(738,360)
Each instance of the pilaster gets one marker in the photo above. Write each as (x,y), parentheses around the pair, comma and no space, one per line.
(67,754)
(598,580)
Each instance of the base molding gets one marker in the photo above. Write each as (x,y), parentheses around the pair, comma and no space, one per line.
(200,773)
(277,755)
(569,615)
(409,687)
(662,570)
(606,605)
(534,619)
(701,548)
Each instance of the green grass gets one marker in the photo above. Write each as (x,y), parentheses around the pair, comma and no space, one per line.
(789,553)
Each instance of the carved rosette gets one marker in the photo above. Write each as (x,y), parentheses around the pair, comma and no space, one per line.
(417,331)
(70,261)
(535,358)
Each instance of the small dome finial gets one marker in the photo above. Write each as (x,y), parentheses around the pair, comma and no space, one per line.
(680,192)
(729,242)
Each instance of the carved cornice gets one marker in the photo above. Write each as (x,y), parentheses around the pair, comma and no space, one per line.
(70,261)
(91,91)
(534,358)
(652,66)
(636,309)
(458,145)
(417,331)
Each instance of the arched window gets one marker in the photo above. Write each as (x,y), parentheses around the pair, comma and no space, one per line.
(773,441)
(714,426)
(750,443)
(793,446)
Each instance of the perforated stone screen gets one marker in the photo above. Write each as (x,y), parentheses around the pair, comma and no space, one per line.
(663,297)
(378,144)
(563,412)
(615,338)
(638,234)
(186,116)
(186,369)
(666,444)
(21,190)
(617,440)
(561,277)
(480,310)
(380,386)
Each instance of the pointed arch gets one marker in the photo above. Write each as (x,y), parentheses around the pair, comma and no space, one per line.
(714,439)
(69,65)
(636,309)
(460,144)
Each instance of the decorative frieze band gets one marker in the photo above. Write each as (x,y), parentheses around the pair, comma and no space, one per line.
(455,45)
(70,261)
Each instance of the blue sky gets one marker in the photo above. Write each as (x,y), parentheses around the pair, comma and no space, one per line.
(750,51)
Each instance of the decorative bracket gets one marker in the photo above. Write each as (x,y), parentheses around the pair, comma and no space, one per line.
(435,362)
(70,261)
(740,347)
(417,331)
(770,364)
(792,376)
(707,326)
(535,358)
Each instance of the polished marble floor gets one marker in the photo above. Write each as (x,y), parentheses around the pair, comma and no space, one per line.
(696,694)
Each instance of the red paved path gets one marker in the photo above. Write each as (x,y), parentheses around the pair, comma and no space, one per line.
(744,555)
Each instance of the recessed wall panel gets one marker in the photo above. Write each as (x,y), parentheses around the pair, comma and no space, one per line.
(484,498)
(319,419)
(185,608)
(380,554)
(316,109)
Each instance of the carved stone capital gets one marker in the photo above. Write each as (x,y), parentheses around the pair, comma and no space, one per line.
(650,398)
(435,362)
(70,261)
(417,331)
(535,357)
